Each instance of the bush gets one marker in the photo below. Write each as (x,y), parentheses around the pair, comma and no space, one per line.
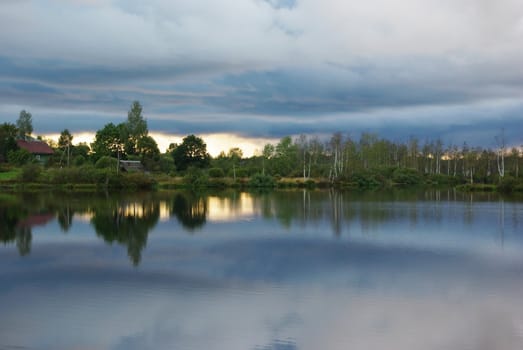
(134,180)
(195,177)
(507,184)
(216,172)
(30,173)
(262,181)
(79,160)
(20,157)
(240,172)
(439,179)
(167,164)
(106,162)
(385,171)
(86,174)
(406,176)
(367,179)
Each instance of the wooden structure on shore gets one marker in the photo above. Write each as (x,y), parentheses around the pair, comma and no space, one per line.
(130,165)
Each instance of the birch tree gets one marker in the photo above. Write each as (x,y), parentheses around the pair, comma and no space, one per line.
(500,154)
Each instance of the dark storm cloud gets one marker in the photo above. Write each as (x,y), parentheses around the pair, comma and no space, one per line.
(267,67)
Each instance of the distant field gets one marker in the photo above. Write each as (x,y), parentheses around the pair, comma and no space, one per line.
(9,175)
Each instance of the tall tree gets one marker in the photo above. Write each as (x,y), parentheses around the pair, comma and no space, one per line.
(65,141)
(8,133)
(235,155)
(286,156)
(267,153)
(501,143)
(136,127)
(303,148)
(335,145)
(24,124)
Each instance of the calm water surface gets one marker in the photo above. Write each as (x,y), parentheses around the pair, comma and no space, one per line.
(281,270)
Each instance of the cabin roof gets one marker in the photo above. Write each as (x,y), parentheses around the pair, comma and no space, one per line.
(35,147)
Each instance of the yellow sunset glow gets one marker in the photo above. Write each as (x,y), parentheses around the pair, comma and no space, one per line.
(216,143)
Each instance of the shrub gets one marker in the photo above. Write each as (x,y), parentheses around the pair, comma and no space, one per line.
(262,181)
(507,184)
(135,180)
(106,162)
(216,172)
(240,172)
(20,157)
(439,179)
(167,164)
(367,179)
(30,173)
(406,176)
(86,174)
(195,177)
(79,160)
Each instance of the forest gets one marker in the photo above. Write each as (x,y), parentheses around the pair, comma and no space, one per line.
(365,161)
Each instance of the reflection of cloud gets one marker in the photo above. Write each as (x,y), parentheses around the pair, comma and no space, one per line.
(123,311)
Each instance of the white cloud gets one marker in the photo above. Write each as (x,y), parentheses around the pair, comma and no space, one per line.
(254,32)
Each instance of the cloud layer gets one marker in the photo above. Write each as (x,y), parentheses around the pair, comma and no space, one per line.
(268,68)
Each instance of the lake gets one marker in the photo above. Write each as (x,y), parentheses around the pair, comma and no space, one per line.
(434,269)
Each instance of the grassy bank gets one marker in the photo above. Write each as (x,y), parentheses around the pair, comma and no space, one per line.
(90,178)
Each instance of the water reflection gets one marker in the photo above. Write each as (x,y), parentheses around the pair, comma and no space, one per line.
(127,223)
(282,270)
(17,221)
(128,219)
(190,209)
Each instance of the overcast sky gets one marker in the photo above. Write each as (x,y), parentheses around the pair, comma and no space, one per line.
(268,68)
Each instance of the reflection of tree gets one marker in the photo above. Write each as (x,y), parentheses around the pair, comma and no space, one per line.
(336,199)
(65,218)
(10,229)
(127,224)
(10,215)
(190,209)
(23,240)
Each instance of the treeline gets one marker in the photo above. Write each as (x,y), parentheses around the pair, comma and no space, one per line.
(367,161)
(341,157)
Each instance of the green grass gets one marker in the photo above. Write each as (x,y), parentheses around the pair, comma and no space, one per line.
(9,175)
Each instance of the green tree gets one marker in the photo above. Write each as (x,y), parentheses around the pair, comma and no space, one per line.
(267,154)
(149,152)
(8,133)
(24,124)
(65,142)
(109,141)
(286,157)
(81,149)
(235,155)
(136,127)
(191,152)
(65,139)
